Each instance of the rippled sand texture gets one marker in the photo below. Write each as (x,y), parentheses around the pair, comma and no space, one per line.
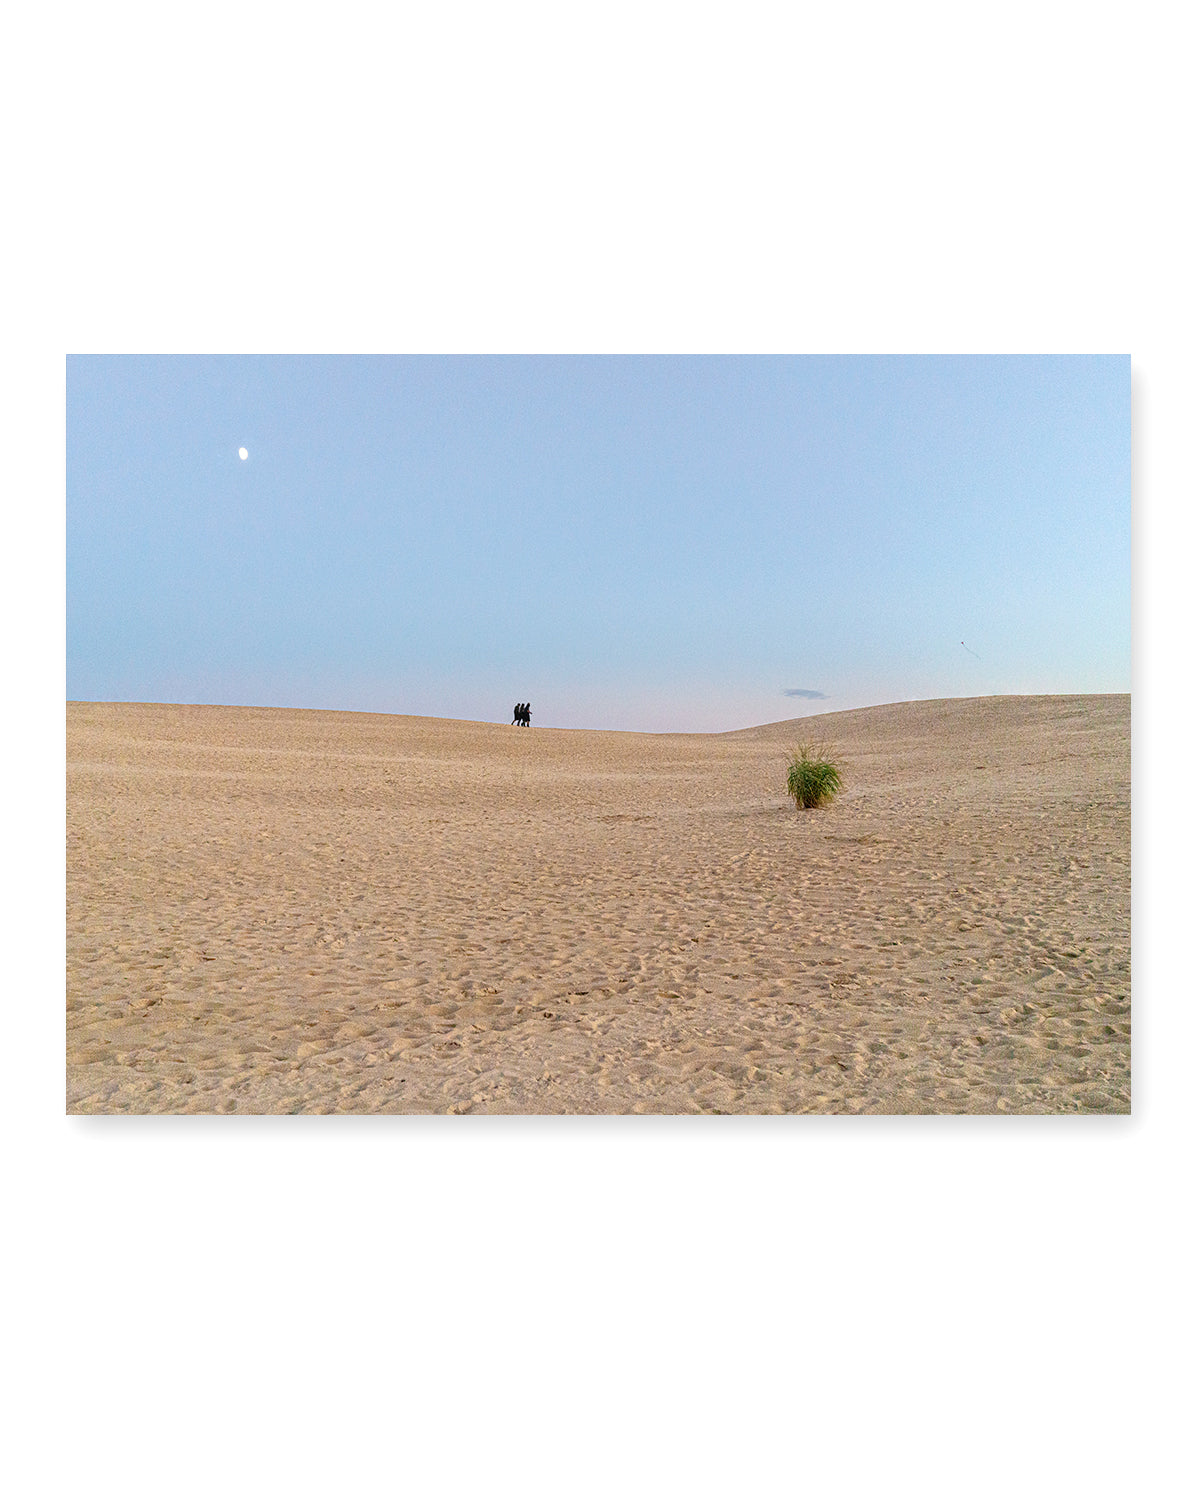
(273,910)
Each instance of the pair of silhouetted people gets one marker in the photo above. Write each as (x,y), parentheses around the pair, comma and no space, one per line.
(521,715)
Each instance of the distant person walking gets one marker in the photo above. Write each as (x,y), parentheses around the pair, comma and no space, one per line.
(521,715)
(517,707)
(525,716)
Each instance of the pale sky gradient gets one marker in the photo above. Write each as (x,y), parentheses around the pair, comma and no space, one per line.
(644,542)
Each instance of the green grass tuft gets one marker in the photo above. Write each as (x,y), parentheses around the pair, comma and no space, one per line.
(812,778)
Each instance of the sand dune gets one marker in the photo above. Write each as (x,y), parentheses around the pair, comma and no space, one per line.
(275,910)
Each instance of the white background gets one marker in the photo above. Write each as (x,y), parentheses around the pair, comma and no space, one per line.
(565,1307)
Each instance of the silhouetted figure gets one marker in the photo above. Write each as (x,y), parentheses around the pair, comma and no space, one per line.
(525,717)
(517,707)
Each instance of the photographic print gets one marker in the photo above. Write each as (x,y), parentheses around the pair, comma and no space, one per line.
(598,735)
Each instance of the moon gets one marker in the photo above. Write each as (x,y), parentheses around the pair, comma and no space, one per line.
(242,453)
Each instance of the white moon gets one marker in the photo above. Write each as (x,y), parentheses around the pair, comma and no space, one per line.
(242,453)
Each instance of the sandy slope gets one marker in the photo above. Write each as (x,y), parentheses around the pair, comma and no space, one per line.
(275,910)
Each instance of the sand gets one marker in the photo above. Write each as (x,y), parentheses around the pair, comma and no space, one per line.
(272,910)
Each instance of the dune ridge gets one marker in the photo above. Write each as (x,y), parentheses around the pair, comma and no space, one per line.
(274,910)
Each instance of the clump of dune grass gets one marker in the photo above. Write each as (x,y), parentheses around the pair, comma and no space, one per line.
(812,778)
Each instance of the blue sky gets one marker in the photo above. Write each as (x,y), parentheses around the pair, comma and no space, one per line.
(642,542)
